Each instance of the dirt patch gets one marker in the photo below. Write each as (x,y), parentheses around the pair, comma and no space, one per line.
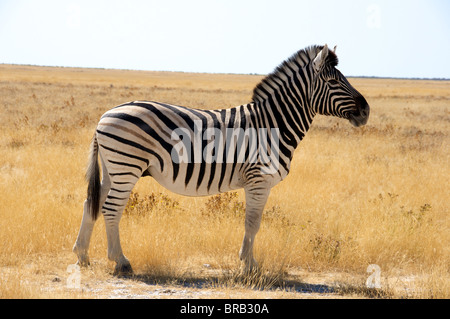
(57,277)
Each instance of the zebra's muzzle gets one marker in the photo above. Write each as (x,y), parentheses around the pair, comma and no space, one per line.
(361,116)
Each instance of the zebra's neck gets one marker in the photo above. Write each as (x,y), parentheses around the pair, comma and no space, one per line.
(284,103)
(285,95)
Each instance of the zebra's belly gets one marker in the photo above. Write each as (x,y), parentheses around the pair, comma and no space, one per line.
(199,183)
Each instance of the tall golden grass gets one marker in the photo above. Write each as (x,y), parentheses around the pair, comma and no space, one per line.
(354,197)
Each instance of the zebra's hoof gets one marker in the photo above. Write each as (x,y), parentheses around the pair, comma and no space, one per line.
(83,264)
(123,269)
(249,266)
(83,261)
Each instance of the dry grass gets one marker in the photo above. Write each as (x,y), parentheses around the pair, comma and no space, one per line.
(354,197)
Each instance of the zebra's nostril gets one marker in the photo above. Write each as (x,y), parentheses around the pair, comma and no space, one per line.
(365,110)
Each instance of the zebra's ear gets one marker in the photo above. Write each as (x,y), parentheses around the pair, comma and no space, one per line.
(320,59)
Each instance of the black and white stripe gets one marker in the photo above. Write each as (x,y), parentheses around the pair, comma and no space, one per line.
(136,139)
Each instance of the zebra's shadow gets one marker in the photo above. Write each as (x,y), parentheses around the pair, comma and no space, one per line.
(232,281)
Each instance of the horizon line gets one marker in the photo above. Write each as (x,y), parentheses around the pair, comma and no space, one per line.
(224,73)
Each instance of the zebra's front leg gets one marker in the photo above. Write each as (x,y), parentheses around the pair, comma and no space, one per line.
(256,199)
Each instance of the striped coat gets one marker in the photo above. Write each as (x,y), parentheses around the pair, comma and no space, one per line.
(203,152)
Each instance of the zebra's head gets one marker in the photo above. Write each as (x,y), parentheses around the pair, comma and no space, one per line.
(332,93)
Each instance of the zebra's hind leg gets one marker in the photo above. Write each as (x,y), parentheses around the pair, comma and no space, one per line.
(256,198)
(112,210)
(81,246)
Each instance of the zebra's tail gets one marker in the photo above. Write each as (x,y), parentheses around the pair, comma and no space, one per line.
(93,178)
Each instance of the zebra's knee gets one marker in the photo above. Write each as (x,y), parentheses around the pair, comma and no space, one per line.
(252,223)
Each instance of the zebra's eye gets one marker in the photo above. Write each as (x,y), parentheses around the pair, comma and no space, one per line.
(333,82)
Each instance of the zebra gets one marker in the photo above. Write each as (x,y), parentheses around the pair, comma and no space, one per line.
(137,139)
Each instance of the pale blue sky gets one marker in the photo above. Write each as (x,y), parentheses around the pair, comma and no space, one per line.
(395,38)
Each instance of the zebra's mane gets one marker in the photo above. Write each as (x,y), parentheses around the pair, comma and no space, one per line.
(293,64)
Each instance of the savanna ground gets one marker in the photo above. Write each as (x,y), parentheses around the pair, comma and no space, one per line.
(355,196)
